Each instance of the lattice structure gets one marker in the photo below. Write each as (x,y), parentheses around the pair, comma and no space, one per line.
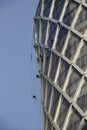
(60,34)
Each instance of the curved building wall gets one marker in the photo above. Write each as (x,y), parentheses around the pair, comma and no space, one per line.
(60,36)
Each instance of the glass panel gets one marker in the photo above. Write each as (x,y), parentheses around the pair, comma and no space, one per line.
(41,56)
(38,8)
(45,119)
(44,86)
(55,102)
(49,89)
(36,35)
(70,12)
(74,121)
(82,59)
(82,99)
(51,34)
(72,46)
(41,51)
(62,74)
(73,83)
(58,9)
(46,123)
(48,53)
(81,23)
(61,38)
(44,28)
(49,125)
(63,113)
(47,6)
(54,64)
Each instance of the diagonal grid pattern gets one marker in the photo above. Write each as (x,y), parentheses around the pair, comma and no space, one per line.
(60,44)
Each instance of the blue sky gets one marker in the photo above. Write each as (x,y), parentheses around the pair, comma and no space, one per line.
(18,83)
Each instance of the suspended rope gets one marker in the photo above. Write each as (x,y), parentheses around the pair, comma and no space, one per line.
(30,66)
(32,72)
(33,82)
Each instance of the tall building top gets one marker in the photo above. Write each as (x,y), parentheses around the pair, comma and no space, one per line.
(60,28)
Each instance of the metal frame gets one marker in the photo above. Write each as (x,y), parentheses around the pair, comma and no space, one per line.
(72,64)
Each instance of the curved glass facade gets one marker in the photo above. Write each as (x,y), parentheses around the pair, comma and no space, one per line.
(60,36)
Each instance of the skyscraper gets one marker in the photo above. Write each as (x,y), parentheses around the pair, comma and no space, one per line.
(60,37)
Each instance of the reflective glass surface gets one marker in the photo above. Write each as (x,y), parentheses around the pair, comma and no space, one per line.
(74,121)
(64,58)
(81,24)
(73,83)
(38,9)
(47,7)
(63,72)
(70,12)
(58,9)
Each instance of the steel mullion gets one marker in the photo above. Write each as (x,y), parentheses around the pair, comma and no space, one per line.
(46,92)
(84,5)
(47,33)
(67,118)
(73,61)
(46,39)
(61,56)
(40,31)
(47,36)
(60,20)
(78,51)
(40,39)
(65,96)
(58,71)
(58,108)
(82,80)
(50,64)
(36,49)
(81,124)
(63,11)
(41,14)
(42,8)
(51,120)
(43,90)
(68,61)
(63,25)
(67,78)
(51,100)
(44,120)
(46,125)
(81,2)
(56,38)
(69,73)
(83,120)
(42,100)
(79,87)
(50,61)
(72,26)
